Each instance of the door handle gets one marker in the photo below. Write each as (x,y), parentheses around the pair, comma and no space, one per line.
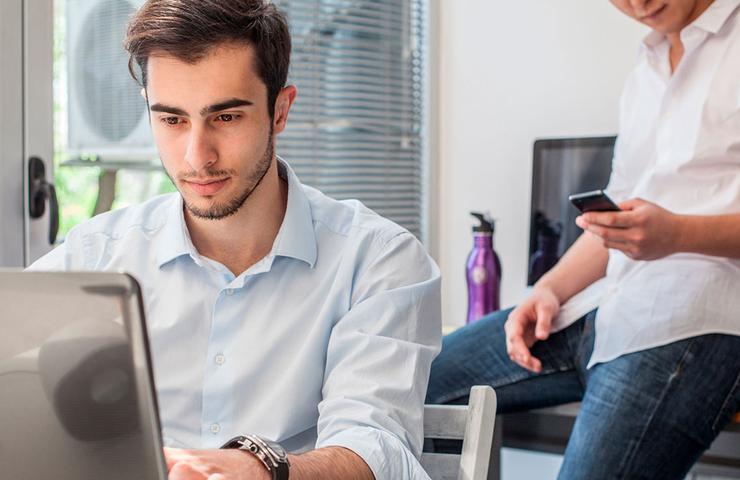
(39,191)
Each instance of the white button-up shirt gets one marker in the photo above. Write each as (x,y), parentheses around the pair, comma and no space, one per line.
(327,341)
(678,147)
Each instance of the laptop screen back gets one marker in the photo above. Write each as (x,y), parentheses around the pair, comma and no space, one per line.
(76,395)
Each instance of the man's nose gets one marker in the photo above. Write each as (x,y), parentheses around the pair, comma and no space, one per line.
(200,153)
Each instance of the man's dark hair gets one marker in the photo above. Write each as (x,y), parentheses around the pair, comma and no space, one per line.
(189,29)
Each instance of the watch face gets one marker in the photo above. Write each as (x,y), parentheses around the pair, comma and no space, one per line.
(279,450)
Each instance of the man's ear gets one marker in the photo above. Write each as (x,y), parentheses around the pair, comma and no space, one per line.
(284,101)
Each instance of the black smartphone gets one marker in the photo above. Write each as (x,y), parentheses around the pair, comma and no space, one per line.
(595,201)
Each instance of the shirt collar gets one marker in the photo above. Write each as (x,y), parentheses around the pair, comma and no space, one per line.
(711,21)
(715,17)
(175,238)
(295,239)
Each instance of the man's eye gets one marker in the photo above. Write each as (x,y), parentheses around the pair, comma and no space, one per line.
(226,117)
(171,120)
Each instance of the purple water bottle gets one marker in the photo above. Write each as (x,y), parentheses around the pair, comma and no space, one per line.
(483,271)
(548,240)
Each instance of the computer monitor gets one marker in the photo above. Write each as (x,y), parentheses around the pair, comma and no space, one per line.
(562,166)
(77,399)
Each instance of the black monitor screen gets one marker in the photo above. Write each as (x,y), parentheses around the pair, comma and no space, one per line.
(562,167)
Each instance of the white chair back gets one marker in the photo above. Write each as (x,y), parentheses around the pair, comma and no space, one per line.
(473,424)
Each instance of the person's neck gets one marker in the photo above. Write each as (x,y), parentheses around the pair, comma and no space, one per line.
(675,54)
(242,239)
(674,38)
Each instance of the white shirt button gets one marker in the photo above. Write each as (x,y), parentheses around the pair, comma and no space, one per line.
(215,428)
(229,291)
(220,359)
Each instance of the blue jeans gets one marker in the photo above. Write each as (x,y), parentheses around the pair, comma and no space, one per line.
(644,415)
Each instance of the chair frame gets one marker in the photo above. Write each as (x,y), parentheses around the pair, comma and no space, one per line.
(473,424)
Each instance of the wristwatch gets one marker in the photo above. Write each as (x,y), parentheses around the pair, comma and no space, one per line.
(270,453)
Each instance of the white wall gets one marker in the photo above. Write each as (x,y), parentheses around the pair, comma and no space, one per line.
(506,74)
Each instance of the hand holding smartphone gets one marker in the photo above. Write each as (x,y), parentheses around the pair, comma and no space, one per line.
(595,201)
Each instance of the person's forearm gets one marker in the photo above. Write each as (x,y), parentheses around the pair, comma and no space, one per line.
(330,463)
(717,235)
(583,264)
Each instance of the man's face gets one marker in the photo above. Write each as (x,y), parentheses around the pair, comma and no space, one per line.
(664,16)
(212,127)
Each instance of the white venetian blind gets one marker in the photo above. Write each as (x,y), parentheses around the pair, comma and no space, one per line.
(356,129)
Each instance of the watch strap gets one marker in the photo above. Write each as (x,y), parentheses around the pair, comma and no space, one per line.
(270,454)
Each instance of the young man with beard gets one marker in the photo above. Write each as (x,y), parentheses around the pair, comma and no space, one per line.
(656,364)
(275,313)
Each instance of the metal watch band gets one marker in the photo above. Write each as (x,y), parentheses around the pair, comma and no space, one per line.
(270,453)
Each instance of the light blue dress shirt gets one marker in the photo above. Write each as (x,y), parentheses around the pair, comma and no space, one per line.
(326,341)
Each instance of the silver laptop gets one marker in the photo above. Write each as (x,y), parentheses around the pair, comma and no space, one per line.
(77,398)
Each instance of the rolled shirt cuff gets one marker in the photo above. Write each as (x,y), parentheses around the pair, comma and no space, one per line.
(386,455)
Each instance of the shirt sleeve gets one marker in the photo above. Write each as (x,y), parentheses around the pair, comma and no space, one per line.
(67,256)
(378,361)
(619,187)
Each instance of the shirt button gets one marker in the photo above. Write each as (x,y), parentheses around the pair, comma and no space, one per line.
(215,428)
(220,359)
(229,291)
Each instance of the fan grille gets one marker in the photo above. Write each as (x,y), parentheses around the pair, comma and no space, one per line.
(109,98)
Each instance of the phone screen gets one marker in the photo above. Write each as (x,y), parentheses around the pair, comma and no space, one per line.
(596,201)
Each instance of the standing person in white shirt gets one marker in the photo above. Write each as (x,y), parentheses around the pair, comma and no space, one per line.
(275,314)
(656,363)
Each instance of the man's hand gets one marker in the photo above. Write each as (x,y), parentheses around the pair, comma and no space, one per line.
(528,323)
(228,464)
(642,231)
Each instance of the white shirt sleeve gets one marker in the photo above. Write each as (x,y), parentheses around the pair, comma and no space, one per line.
(378,362)
(620,186)
(67,256)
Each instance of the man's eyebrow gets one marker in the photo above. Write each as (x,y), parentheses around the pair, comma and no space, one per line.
(158,107)
(216,107)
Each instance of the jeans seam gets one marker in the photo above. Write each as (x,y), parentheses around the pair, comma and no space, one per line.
(633,451)
(580,350)
(726,403)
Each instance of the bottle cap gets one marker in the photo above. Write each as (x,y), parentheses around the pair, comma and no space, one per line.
(487,224)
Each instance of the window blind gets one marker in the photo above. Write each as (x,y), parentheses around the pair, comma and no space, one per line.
(357,127)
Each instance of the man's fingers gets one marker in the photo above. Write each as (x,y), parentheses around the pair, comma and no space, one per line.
(608,219)
(174,456)
(628,249)
(519,353)
(544,321)
(632,203)
(183,471)
(516,346)
(170,456)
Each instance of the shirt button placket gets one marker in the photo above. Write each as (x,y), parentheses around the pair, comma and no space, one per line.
(212,402)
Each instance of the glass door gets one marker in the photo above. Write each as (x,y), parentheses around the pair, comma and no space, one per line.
(11,134)
(26,185)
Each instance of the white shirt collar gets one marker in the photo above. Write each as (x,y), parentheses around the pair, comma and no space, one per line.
(711,21)
(295,239)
